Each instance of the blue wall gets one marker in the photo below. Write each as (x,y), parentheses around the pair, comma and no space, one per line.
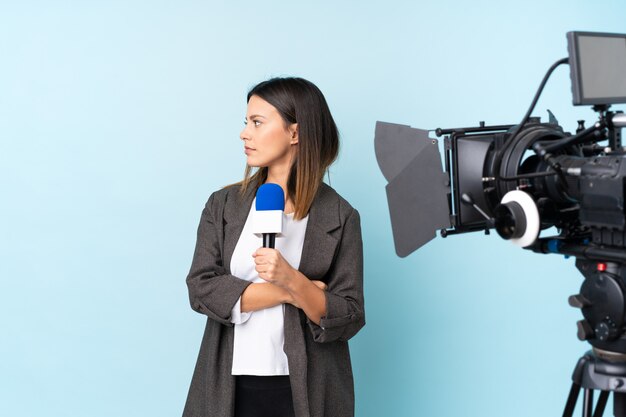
(112,117)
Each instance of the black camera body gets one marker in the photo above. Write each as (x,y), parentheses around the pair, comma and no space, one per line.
(577,188)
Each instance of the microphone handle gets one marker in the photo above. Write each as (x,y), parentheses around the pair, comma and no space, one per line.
(269,240)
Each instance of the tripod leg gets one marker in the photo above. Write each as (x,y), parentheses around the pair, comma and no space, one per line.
(601,405)
(619,404)
(588,402)
(571,400)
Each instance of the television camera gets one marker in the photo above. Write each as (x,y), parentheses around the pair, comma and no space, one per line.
(524,178)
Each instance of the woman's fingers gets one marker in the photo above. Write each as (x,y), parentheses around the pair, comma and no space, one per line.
(265,256)
(320,285)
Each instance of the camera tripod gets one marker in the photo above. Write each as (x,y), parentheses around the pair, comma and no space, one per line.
(603,371)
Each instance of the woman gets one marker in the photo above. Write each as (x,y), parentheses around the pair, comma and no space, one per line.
(279,320)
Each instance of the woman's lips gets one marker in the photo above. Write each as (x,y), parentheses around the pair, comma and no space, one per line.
(248,150)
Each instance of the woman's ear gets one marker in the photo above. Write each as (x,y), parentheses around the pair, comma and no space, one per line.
(293,130)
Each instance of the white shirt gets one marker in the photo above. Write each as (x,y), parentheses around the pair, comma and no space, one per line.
(260,335)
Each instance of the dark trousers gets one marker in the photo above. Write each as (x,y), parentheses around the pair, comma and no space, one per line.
(263,396)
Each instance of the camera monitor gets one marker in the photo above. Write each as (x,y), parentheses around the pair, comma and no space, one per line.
(597,64)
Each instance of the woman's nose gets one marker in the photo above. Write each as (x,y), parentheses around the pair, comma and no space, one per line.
(244,134)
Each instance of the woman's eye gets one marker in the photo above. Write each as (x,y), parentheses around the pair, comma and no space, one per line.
(256,122)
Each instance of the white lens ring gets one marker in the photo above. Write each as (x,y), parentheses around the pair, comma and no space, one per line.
(531,213)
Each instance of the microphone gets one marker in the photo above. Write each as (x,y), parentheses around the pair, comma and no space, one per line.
(268,217)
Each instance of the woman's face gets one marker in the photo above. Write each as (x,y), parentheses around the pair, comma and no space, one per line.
(267,141)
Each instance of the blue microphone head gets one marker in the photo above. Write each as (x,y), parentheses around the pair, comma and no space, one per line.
(270,197)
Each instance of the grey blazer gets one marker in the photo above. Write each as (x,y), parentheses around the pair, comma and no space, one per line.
(318,356)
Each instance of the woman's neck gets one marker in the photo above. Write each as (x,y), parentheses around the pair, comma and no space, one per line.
(278,174)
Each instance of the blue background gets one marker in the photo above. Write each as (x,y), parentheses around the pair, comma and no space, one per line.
(119,118)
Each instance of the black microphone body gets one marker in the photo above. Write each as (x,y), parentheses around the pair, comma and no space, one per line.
(269,240)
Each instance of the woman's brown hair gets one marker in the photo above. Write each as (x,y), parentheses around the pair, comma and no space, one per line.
(299,101)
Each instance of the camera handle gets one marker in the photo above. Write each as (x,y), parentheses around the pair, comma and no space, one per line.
(615,122)
(467,199)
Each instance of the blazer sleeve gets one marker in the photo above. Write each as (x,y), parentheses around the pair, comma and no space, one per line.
(345,313)
(212,291)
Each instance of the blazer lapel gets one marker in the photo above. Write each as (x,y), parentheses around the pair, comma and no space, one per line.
(320,243)
(317,255)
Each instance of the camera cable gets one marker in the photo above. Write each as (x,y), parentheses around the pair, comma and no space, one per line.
(520,127)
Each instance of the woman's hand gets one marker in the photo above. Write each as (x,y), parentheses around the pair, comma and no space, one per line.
(320,285)
(307,295)
(290,299)
(272,267)
(293,302)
